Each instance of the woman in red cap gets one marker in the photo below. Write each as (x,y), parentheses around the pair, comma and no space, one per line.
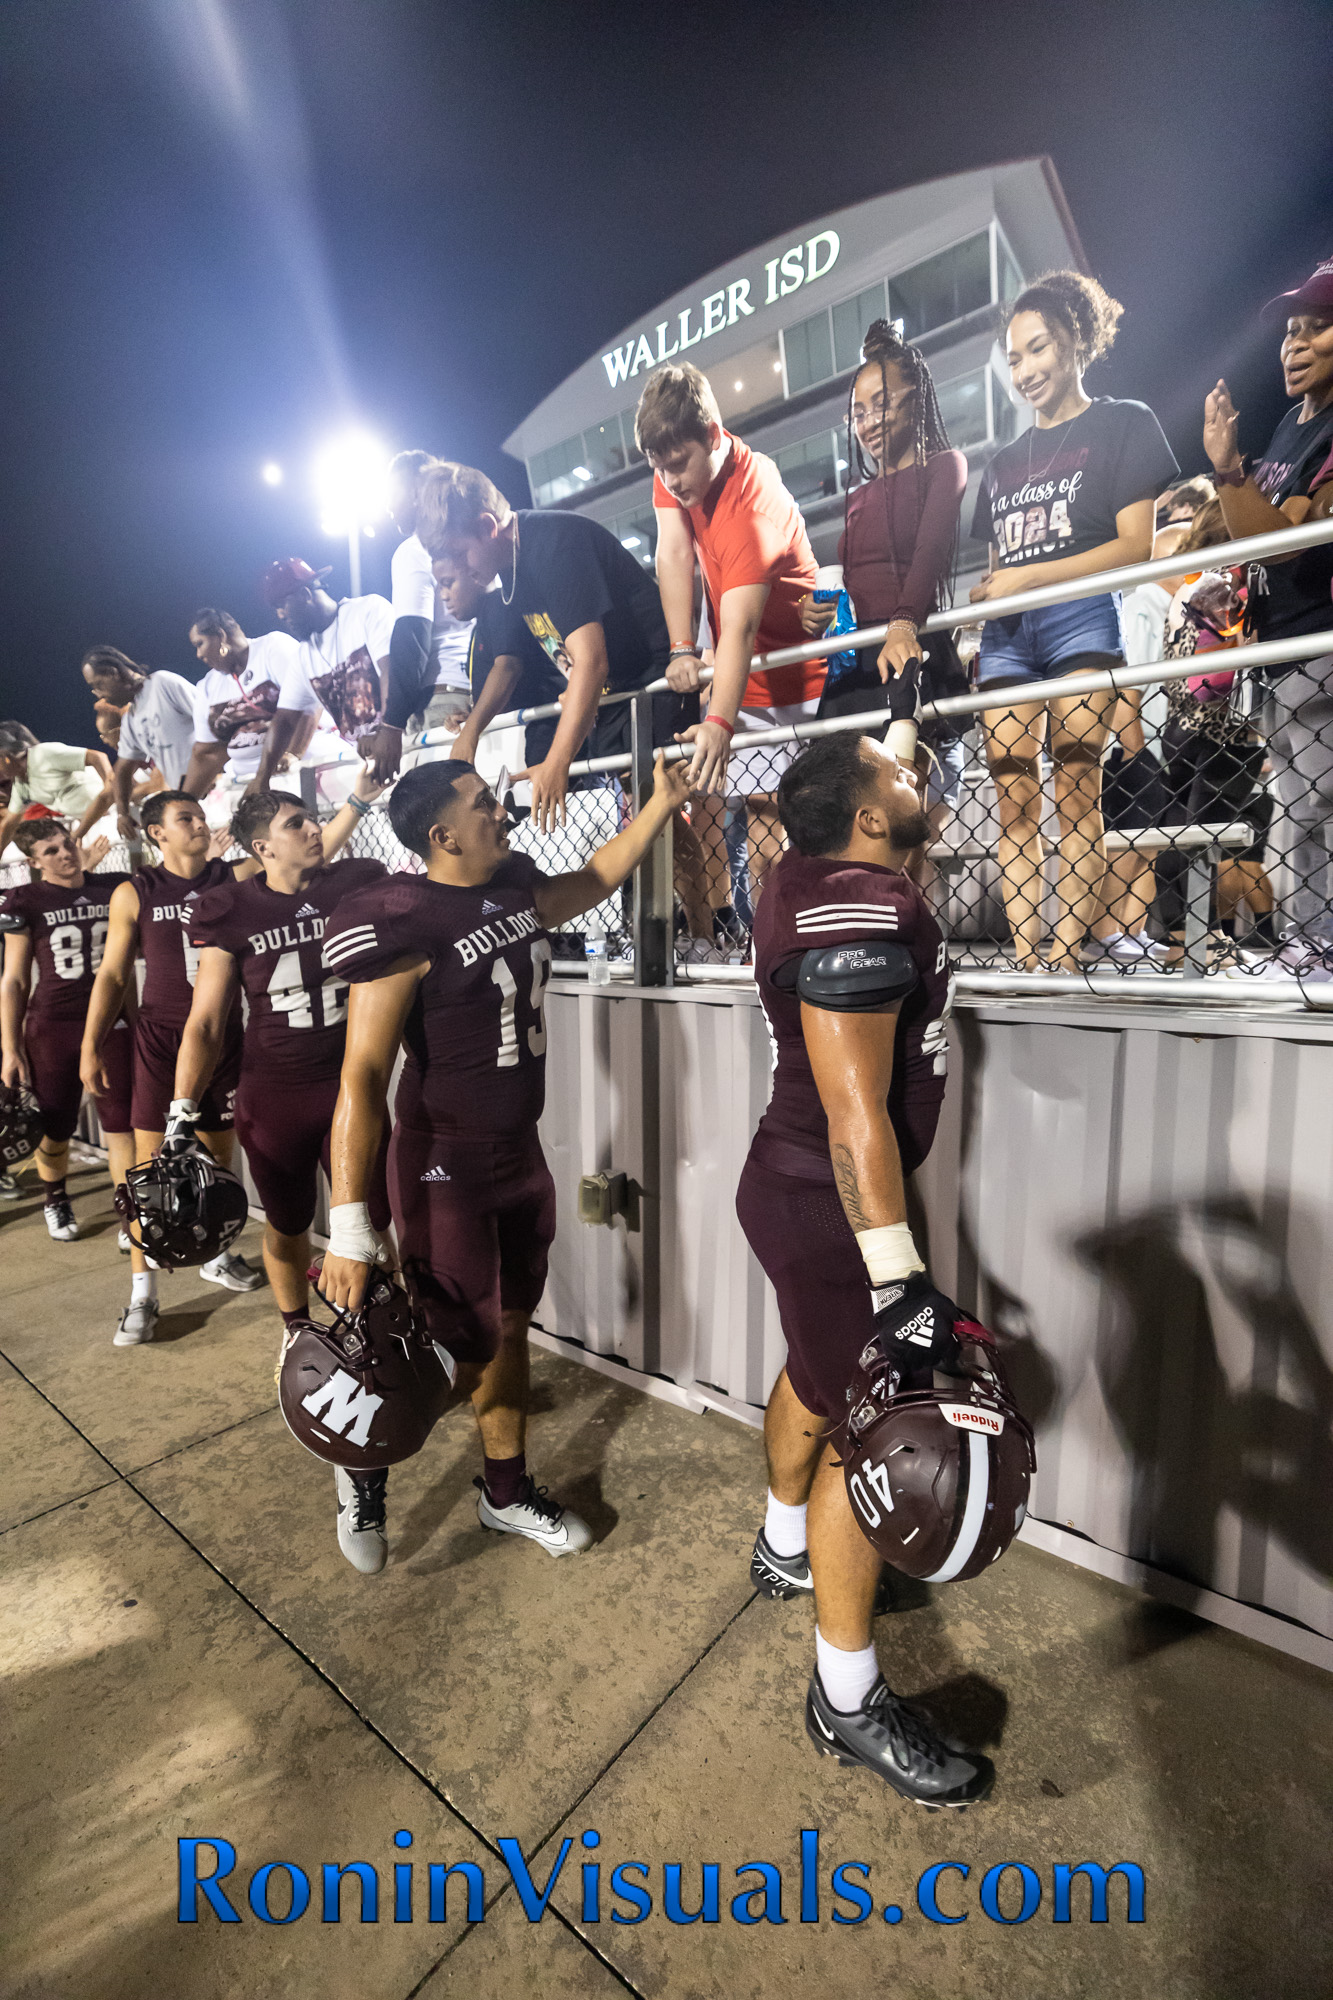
(1292,482)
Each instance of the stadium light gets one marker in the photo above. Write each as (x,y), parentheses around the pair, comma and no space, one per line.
(271,473)
(351,485)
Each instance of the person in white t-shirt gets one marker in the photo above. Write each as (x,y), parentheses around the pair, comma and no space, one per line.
(341,664)
(74,782)
(236,701)
(156,725)
(428,652)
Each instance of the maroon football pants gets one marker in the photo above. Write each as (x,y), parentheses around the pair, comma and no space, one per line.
(475,1222)
(284,1130)
(53,1057)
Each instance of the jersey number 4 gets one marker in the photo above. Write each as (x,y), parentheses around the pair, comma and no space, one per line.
(287,994)
(508,985)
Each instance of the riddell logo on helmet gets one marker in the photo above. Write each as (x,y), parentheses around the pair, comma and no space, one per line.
(964,1418)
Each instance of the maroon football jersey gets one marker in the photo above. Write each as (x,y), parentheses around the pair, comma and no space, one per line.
(68,930)
(808,903)
(475,1039)
(170,960)
(298,1011)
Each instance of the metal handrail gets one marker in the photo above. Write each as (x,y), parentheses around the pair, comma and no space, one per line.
(1252,548)
(1234,659)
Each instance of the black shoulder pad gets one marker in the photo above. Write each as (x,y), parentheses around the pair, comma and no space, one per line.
(856,978)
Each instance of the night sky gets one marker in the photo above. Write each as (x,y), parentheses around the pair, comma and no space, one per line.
(229,226)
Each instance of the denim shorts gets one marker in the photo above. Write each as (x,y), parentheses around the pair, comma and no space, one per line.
(1032,645)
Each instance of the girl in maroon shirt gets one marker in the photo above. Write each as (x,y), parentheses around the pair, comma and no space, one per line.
(898,549)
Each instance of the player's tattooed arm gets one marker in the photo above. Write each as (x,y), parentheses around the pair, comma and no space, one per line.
(851,1058)
(849,1188)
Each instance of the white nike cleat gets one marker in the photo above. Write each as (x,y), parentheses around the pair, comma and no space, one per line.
(60,1223)
(361,1519)
(544,1521)
(138,1324)
(233,1272)
(123,1243)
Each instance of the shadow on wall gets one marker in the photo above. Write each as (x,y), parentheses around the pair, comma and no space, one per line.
(1193,1369)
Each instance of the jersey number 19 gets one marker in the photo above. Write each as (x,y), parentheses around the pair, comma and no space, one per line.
(508,985)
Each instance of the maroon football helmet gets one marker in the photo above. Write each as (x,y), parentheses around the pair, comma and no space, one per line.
(937,1468)
(21,1125)
(182,1207)
(368,1390)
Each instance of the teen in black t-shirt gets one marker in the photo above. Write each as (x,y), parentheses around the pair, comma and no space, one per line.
(1293,482)
(583,598)
(1073,496)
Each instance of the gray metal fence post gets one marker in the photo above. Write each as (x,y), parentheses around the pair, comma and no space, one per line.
(654,957)
(1198,897)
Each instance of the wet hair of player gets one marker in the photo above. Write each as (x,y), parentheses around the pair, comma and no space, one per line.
(154,808)
(216,624)
(819,793)
(420,796)
(884,344)
(1078,306)
(29,833)
(255,814)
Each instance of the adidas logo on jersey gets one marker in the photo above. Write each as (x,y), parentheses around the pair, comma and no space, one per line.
(307,910)
(436,1174)
(490,909)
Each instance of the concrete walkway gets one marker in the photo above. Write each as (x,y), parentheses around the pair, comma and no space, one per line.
(186,1654)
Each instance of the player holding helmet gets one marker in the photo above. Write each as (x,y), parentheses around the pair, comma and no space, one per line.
(267,935)
(147,917)
(456,966)
(853,978)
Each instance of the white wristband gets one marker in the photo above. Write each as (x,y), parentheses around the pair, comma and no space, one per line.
(889,1253)
(351,1233)
(183,1107)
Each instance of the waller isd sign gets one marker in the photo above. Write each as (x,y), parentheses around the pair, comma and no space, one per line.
(803,264)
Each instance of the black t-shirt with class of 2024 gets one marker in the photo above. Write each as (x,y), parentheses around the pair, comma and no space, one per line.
(1055,493)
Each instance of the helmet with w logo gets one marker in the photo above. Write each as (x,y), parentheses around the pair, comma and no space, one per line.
(937,1469)
(368,1390)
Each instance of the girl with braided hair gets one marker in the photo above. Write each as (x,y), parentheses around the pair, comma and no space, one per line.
(899,540)
(1070,497)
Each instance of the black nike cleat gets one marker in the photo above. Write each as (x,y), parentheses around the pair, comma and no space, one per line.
(899,1744)
(785,1576)
(778,1576)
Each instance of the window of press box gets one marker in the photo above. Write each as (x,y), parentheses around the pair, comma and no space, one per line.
(850,321)
(810,468)
(637,532)
(747,380)
(809,349)
(1009,276)
(552,473)
(963,407)
(604,450)
(943,288)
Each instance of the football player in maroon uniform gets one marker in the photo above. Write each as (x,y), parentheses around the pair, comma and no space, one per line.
(58,925)
(266,934)
(147,917)
(854,981)
(455,966)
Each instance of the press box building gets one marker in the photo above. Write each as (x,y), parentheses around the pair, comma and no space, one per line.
(778,333)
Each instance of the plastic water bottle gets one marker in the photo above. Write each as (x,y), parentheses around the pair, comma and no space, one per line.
(594,946)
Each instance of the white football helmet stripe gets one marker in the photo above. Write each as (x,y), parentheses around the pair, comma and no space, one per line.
(974,1513)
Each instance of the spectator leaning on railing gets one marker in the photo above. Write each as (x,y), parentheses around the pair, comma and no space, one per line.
(156,725)
(73,782)
(1072,496)
(725,507)
(1293,482)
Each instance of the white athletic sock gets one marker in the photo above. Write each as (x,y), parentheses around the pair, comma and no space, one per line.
(847,1677)
(784,1527)
(143,1285)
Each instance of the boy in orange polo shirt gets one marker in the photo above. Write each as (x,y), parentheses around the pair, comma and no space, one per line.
(724,506)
